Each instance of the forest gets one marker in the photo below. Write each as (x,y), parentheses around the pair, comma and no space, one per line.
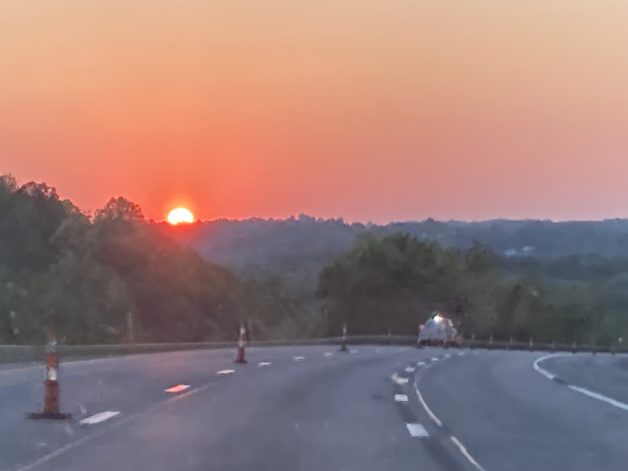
(115,277)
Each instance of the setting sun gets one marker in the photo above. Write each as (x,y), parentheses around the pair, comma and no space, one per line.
(180,216)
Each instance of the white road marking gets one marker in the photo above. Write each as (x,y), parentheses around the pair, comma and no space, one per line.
(466,453)
(353,351)
(476,353)
(399,379)
(329,354)
(264,363)
(420,363)
(98,418)
(542,371)
(178,388)
(298,358)
(461,354)
(599,397)
(581,390)
(417,430)
(427,409)
(101,431)
(447,355)
(434,358)
(409,369)
(401,398)
(225,372)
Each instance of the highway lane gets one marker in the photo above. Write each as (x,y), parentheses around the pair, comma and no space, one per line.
(312,408)
(603,373)
(511,418)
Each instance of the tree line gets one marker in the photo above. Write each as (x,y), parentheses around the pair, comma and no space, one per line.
(114,277)
(392,284)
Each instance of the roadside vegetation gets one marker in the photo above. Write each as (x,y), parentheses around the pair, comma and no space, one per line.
(114,277)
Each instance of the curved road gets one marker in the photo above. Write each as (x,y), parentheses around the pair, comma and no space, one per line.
(314,408)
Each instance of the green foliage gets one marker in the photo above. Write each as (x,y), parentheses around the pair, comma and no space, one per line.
(107,280)
(117,277)
(392,284)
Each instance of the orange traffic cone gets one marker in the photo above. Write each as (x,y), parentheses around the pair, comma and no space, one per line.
(241,356)
(50,409)
(343,345)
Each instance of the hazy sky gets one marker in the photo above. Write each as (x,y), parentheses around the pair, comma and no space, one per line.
(370,110)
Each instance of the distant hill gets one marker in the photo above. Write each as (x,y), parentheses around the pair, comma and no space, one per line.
(295,249)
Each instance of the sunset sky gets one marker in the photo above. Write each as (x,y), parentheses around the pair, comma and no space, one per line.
(368,110)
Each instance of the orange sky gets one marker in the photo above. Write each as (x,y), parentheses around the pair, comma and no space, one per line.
(369,110)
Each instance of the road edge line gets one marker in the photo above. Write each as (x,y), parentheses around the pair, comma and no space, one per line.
(579,389)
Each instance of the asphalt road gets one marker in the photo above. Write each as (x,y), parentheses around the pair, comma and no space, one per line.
(314,408)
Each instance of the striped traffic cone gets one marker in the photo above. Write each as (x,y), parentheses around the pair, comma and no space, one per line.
(241,356)
(50,408)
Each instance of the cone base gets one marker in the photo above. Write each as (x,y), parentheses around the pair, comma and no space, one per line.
(49,416)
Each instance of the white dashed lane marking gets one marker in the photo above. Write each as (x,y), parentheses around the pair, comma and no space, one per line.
(420,363)
(178,388)
(417,430)
(461,354)
(409,369)
(264,363)
(353,351)
(225,372)
(447,355)
(99,418)
(434,359)
(329,354)
(399,379)
(298,358)
(401,398)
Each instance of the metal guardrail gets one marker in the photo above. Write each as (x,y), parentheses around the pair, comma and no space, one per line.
(26,353)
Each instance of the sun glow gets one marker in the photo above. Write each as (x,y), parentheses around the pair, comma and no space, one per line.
(180,216)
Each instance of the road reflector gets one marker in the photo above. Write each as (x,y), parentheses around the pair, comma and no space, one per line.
(178,388)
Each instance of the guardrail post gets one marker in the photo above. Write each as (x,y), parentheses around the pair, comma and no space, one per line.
(343,345)
(241,356)
(531,345)
(574,347)
(472,341)
(490,342)
(510,342)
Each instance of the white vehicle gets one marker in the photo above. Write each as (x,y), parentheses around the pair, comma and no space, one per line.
(438,330)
